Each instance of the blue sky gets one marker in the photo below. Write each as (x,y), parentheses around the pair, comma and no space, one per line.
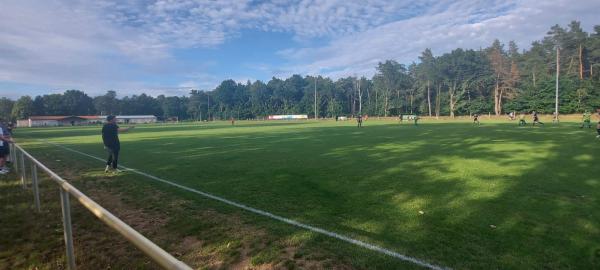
(169,47)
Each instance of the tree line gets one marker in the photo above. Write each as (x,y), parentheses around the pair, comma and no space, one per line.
(496,79)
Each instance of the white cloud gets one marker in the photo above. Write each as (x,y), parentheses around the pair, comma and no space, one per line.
(104,44)
(111,44)
(466,24)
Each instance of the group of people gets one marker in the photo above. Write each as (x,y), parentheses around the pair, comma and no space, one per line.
(536,119)
(110,139)
(5,141)
(511,116)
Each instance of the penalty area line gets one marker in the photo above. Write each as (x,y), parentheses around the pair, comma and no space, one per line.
(270,215)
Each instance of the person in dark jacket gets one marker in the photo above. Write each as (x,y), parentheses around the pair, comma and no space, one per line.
(110,138)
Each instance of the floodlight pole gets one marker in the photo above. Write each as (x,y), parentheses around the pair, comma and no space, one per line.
(315,97)
(557,75)
(359,98)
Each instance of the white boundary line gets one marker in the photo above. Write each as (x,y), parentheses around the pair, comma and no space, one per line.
(273,216)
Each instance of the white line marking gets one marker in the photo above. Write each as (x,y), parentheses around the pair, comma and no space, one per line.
(273,216)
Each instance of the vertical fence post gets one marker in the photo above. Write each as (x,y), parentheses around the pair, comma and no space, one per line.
(12,152)
(34,183)
(14,160)
(22,169)
(68,232)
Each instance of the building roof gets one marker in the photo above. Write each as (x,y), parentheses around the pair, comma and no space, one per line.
(134,116)
(86,117)
(49,117)
(92,117)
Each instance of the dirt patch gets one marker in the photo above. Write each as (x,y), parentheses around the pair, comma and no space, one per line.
(141,220)
(221,242)
(198,235)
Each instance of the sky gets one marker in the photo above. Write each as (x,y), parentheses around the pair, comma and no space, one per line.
(169,47)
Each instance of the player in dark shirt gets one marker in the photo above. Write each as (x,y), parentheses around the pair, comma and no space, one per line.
(536,119)
(110,138)
(476,119)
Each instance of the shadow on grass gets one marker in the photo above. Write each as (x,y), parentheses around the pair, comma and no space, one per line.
(496,196)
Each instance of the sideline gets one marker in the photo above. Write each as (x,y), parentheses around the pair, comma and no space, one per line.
(270,215)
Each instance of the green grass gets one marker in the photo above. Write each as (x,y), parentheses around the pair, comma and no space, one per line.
(538,187)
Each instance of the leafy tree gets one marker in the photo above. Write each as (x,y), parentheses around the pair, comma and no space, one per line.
(76,102)
(23,108)
(6,107)
(107,104)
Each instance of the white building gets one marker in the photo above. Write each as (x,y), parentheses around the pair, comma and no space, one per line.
(135,119)
(73,120)
(57,120)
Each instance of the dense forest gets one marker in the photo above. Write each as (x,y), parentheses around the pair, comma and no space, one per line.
(495,80)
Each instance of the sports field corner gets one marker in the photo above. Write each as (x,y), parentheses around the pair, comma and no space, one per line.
(445,193)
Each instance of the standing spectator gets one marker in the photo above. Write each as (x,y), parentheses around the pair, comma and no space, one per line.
(5,139)
(110,138)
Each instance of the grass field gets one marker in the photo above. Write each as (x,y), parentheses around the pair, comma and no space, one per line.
(496,196)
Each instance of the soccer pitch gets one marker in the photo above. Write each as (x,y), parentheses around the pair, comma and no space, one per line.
(448,193)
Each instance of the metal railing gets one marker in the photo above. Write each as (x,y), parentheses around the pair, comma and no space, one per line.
(161,257)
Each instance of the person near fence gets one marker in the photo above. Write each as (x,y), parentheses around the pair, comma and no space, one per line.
(10,126)
(5,139)
(110,138)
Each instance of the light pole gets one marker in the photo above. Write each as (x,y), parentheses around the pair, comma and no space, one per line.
(359,98)
(557,74)
(207,108)
(315,97)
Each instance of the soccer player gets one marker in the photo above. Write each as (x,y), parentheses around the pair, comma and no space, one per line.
(110,138)
(476,119)
(416,117)
(587,120)
(536,119)
(359,120)
(522,120)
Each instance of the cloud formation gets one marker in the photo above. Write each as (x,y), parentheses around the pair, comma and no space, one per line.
(131,45)
(465,24)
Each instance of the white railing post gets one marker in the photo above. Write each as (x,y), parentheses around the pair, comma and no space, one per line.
(14,160)
(12,152)
(22,169)
(34,183)
(68,232)
(164,259)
